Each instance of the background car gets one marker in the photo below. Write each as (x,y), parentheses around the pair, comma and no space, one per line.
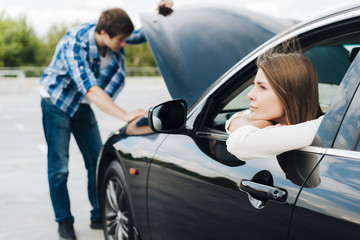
(180,182)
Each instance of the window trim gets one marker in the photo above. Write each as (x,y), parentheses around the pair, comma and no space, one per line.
(314,149)
(332,152)
(343,153)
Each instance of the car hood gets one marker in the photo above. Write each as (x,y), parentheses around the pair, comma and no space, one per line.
(195,45)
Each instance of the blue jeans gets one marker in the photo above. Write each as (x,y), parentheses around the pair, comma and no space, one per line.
(57,128)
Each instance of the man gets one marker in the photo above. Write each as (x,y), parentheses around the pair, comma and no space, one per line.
(87,67)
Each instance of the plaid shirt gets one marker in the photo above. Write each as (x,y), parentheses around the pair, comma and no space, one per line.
(75,68)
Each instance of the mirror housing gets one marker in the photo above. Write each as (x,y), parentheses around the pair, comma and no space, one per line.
(168,117)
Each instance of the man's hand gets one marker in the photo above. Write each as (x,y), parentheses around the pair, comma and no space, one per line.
(165,3)
(133,129)
(164,7)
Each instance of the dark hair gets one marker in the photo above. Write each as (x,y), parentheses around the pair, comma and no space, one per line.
(115,21)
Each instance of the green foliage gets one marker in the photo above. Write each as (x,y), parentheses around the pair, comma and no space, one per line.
(18,43)
(139,56)
(19,46)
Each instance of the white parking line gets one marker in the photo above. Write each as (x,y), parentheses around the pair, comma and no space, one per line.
(43,148)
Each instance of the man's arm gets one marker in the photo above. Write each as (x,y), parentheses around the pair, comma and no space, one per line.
(105,103)
(137,37)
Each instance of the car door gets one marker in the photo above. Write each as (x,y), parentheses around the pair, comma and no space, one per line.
(193,195)
(197,190)
(332,209)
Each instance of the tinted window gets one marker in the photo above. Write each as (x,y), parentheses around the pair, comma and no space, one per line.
(333,118)
(348,136)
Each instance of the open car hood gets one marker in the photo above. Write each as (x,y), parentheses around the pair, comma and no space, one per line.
(194,46)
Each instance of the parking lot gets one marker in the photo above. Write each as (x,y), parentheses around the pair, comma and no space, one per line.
(25,207)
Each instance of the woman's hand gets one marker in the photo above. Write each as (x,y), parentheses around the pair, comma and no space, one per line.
(241,121)
(261,123)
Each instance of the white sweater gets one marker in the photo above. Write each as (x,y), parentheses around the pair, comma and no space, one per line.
(250,142)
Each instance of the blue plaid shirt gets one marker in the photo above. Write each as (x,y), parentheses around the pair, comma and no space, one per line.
(75,68)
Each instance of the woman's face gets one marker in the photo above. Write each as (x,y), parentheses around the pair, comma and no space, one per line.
(264,103)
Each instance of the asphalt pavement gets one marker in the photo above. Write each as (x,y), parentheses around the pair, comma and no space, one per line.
(25,206)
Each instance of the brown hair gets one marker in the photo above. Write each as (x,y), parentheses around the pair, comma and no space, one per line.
(293,78)
(115,21)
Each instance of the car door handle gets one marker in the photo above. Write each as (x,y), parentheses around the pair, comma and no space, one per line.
(261,191)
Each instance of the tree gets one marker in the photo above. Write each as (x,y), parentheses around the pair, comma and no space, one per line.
(139,56)
(18,43)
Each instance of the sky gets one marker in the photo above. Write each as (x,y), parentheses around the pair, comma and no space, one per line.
(42,14)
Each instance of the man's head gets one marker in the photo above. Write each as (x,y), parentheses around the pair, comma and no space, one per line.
(115,21)
(115,25)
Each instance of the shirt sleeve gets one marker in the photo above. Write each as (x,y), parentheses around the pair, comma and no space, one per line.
(250,142)
(78,67)
(137,37)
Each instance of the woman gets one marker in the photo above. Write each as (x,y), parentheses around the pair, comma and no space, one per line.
(284,105)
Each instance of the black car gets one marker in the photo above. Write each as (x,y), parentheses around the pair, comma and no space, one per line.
(178,181)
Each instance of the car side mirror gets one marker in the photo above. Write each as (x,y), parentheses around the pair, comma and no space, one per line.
(168,117)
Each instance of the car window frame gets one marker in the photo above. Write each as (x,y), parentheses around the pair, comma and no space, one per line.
(211,101)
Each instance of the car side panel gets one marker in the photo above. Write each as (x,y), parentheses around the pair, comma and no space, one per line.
(193,195)
(136,152)
(332,209)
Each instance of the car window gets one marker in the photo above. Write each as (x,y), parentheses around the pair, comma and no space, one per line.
(348,136)
(331,64)
(329,128)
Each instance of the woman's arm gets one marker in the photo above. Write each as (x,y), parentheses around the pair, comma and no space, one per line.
(250,142)
(239,120)
(242,121)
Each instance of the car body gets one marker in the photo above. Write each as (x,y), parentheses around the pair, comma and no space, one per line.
(178,181)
